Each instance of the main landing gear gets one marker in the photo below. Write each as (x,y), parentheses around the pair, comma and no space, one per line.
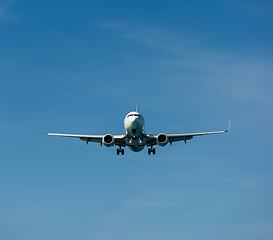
(151,150)
(120,151)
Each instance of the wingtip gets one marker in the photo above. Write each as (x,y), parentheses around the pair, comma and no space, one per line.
(44,131)
(229,123)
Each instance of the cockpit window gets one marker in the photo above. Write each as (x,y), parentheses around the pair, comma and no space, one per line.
(135,114)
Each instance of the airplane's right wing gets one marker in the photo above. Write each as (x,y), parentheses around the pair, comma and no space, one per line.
(117,139)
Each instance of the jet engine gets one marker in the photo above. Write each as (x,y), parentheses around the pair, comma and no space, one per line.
(162,139)
(108,140)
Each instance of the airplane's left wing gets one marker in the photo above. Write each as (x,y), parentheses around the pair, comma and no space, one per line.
(163,139)
(188,136)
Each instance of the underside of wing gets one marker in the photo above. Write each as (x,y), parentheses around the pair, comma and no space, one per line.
(188,136)
(170,138)
(89,138)
(162,139)
(117,139)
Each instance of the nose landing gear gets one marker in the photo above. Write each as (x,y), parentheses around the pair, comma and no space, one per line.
(151,150)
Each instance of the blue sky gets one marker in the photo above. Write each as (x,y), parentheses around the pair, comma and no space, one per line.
(81,66)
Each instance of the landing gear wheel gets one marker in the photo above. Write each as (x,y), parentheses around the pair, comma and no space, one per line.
(120,151)
(151,150)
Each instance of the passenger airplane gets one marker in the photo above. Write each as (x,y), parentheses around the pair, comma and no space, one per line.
(136,138)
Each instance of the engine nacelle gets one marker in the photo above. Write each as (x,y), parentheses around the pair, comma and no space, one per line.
(108,140)
(162,139)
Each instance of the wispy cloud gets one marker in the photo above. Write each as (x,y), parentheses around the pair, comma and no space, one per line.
(3,12)
(144,203)
(117,25)
(256,182)
(4,9)
(133,210)
(151,37)
(263,9)
(244,77)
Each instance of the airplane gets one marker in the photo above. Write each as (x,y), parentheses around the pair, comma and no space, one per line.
(135,138)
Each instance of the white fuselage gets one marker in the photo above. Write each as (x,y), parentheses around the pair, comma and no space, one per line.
(134,126)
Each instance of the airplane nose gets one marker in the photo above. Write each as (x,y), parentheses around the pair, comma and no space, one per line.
(136,120)
(135,123)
